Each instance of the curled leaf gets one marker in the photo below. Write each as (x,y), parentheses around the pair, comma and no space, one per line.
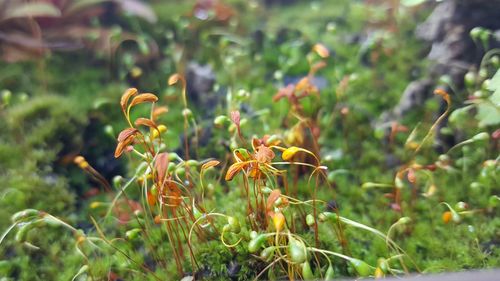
(210,164)
(159,111)
(126,133)
(241,154)
(273,196)
(126,96)
(125,138)
(234,169)
(147,97)
(145,122)
(120,148)
(286,92)
(443,94)
(174,78)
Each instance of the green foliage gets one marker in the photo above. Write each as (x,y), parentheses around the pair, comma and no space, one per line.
(133,238)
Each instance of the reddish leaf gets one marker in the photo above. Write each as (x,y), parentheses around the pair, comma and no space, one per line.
(161,166)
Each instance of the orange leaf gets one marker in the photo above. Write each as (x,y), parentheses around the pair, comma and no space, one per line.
(159,111)
(284,92)
(161,165)
(124,139)
(126,96)
(120,148)
(275,194)
(174,78)
(143,98)
(234,169)
(317,66)
(210,164)
(126,133)
(264,154)
(145,122)
(303,84)
(443,94)
(151,199)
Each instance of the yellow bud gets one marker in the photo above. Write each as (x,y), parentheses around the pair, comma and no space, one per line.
(80,239)
(412,145)
(94,205)
(79,159)
(81,162)
(289,153)
(279,221)
(321,50)
(83,165)
(136,72)
(161,129)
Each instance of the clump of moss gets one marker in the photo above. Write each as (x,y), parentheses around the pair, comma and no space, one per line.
(50,123)
(37,133)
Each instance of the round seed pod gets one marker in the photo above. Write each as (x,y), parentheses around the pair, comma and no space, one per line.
(470,79)
(361,267)
(234,225)
(221,120)
(267,254)
(297,250)
(172,156)
(328,216)
(256,243)
(192,163)
(310,220)
(133,233)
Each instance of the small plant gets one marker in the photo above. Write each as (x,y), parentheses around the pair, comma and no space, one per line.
(164,200)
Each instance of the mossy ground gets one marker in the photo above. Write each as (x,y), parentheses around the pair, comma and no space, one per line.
(68,105)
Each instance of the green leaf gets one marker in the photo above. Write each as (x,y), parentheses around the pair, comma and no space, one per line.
(32,10)
(494,84)
(488,114)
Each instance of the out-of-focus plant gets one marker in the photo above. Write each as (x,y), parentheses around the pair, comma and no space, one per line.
(477,120)
(31,29)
